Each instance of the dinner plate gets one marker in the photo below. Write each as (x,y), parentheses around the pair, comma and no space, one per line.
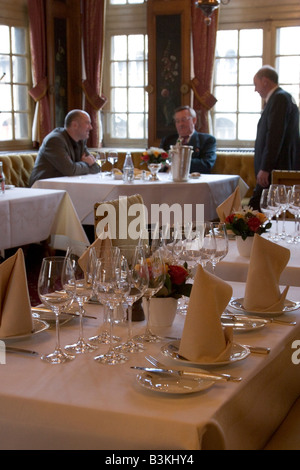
(289,306)
(243,324)
(38,327)
(50,318)
(238,353)
(171,384)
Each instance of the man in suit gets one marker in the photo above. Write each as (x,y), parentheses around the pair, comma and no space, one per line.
(277,139)
(204,155)
(64,152)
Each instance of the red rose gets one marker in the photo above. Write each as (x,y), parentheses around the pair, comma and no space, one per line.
(254,224)
(229,219)
(178,274)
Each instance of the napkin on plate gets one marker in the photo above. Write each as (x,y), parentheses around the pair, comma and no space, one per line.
(262,292)
(15,308)
(231,204)
(204,339)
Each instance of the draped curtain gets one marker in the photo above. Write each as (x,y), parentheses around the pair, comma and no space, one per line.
(93,17)
(37,30)
(204,43)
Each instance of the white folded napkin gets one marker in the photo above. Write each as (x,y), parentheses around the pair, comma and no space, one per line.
(231,204)
(15,308)
(262,292)
(204,339)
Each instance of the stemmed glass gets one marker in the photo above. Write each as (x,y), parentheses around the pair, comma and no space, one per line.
(265,208)
(208,249)
(55,273)
(112,157)
(139,281)
(294,208)
(112,287)
(82,289)
(221,240)
(156,281)
(101,159)
(281,200)
(273,204)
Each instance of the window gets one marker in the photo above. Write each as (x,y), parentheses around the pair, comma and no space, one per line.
(239,55)
(15,115)
(125,117)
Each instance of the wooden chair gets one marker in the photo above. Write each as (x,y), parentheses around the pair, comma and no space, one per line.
(288,178)
(287,436)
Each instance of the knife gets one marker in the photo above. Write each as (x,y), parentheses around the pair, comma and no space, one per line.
(20,350)
(191,374)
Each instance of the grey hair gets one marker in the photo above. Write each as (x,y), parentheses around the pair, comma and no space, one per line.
(268,72)
(186,108)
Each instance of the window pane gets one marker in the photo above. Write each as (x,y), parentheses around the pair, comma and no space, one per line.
(5,126)
(119,74)
(4,39)
(119,48)
(226,72)
(227,44)
(249,100)
(225,126)
(227,98)
(247,70)
(19,69)
(288,69)
(136,74)
(21,126)
(136,100)
(118,2)
(136,47)
(18,39)
(5,98)
(118,126)
(136,126)
(288,41)
(20,98)
(248,126)
(251,42)
(5,68)
(119,100)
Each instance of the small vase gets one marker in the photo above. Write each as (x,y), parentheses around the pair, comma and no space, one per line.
(162,311)
(244,246)
(154,169)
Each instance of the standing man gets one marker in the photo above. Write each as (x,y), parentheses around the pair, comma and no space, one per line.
(64,152)
(204,155)
(277,139)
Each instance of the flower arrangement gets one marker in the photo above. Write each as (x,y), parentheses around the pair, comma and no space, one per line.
(175,284)
(154,155)
(247,222)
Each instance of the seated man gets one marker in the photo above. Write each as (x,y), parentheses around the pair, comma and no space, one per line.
(204,155)
(64,152)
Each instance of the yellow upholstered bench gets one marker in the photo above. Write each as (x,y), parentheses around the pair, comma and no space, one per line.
(17,167)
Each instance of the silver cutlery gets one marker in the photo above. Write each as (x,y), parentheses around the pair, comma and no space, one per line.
(21,351)
(267,320)
(257,349)
(203,374)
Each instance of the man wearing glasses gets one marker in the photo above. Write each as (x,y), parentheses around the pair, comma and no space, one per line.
(204,155)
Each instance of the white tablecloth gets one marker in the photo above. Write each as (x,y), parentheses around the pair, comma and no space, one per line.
(235,267)
(31,215)
(85,191)
(85,405)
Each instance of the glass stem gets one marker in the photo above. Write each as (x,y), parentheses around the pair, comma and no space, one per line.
(57,330)
(129,310)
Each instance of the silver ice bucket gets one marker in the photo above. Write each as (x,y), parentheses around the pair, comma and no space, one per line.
(181,161)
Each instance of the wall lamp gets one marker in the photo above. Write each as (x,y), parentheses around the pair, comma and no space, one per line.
(208,7)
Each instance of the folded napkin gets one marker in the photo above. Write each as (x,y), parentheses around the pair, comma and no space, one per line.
(100,244)
(262,292)
(15,308)
(204,339)
(231,204)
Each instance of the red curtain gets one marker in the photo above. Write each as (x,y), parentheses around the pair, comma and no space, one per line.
(93,42)
(204,44)
(37,28)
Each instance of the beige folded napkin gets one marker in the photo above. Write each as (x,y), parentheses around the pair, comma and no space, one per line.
(231,204)
(262,292)
(100,244)
(204,339)
(15,308)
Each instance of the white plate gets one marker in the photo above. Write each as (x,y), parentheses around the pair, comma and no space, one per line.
(38,327)
(170,384)
(9,186)
(238,353)
(242,323)
(50,318)
(289,306)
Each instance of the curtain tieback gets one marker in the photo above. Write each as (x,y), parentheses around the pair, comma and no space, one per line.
(39,90)
(205,98)
(92,96)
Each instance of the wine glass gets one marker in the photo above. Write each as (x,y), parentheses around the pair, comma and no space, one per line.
(55,273)
(281,199)
(273,204)
(113,285)
(100,160)
(221,240)
(294,208)
(208,249)
(112,158)
(139,281)
(82,289)
(156,269)
(265,208)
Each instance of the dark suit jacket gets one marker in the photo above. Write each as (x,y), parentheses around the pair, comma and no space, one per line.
(204,155)
(277,140)
(60,155)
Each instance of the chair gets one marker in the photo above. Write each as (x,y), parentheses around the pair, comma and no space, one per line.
(288,178)
(124,229)
(287,436)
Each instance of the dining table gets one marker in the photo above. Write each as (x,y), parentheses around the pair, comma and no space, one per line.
(207,190)
(31,215)
(234,267)
(86,405)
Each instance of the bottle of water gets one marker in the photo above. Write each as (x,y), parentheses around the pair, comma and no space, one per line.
(2,179)
(128,168)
